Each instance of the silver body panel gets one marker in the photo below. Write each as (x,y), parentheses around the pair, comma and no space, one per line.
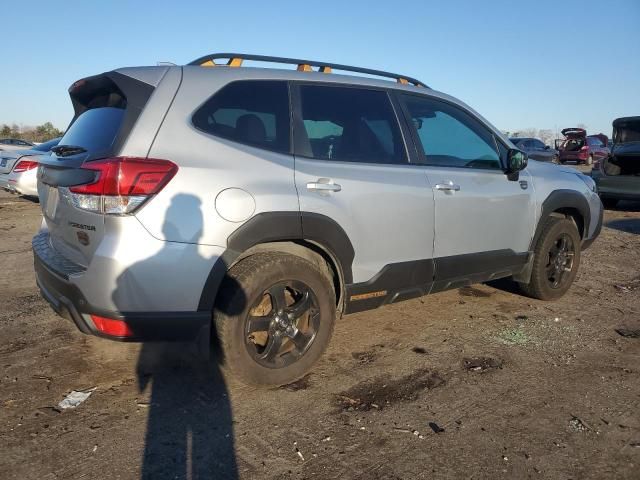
(386,210)
(488,212)
(159,259)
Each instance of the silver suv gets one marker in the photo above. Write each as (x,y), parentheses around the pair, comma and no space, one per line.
(253,206)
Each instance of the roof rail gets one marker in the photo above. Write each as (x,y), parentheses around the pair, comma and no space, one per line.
(236,59)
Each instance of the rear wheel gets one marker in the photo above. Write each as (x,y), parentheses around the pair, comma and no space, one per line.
(555,159)
(589,160)
(609,202)
(556,260)
(274,318)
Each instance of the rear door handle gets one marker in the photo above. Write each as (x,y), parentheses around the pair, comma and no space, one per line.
(447,186)
(324,185)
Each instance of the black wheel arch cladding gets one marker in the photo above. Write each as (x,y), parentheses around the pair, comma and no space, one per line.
(280,226)
(564,201)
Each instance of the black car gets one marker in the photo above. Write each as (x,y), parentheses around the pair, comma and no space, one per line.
(617,176)
(536,149)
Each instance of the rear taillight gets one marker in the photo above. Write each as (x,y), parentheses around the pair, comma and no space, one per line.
(24,165)
(122,184)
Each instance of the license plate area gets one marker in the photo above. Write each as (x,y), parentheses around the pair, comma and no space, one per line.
(51,205)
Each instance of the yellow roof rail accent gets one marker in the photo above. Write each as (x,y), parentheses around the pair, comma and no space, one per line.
(236,59)
(233,62)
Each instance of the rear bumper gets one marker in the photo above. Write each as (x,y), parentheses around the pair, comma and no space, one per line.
(573,157)
(24,183)
(618,187)
(69,302)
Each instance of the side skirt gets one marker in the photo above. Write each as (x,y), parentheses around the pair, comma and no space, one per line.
(406,280)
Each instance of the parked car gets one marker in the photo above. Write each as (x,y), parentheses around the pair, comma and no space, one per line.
(579,147)
(18,168)
(264,203)
(618,176)
(536,149)
(14,144)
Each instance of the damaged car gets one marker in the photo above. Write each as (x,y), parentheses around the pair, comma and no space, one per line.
(579,147)
(617,176)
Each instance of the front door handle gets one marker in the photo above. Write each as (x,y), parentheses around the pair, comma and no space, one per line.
(324,185)
(448,186)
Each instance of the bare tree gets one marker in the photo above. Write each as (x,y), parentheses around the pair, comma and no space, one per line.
(546,135)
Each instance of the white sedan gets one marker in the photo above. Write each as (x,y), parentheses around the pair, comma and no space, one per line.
(18,168)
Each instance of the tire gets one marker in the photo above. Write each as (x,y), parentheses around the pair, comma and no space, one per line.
(263,337)
(589,160)
(546,271)
(609,203)
(555,159)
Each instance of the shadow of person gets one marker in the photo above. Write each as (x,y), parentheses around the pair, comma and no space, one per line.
(189,427)
(190,424)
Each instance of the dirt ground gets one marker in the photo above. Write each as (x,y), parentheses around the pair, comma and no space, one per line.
(474,383)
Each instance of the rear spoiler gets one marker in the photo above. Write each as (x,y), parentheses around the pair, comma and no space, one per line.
(111,89)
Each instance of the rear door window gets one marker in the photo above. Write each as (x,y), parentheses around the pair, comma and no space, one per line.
(349,125)
(449,136)
(252,112)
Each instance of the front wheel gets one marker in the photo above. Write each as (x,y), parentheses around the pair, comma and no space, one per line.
(274,318)
(556,260)
(589,160)
(555,159)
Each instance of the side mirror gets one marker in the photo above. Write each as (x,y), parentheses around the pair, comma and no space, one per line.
(516,160)
(547,147)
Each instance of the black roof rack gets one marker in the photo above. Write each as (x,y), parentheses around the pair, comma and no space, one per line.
(236,59)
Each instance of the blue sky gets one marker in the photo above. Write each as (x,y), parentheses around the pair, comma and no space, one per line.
(542,64)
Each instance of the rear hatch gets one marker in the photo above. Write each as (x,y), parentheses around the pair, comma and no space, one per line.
(106,108)
(574,141)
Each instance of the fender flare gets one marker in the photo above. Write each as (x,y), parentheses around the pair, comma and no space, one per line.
(557,200)
(276,227)
(560,199)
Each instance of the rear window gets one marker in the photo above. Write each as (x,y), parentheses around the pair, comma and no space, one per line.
(47,146)
(95,129)
(253,112)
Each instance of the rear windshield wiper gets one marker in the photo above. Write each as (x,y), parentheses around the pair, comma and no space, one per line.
(67,150)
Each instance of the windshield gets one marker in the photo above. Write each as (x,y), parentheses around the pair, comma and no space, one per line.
(629,132)
(46,146)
